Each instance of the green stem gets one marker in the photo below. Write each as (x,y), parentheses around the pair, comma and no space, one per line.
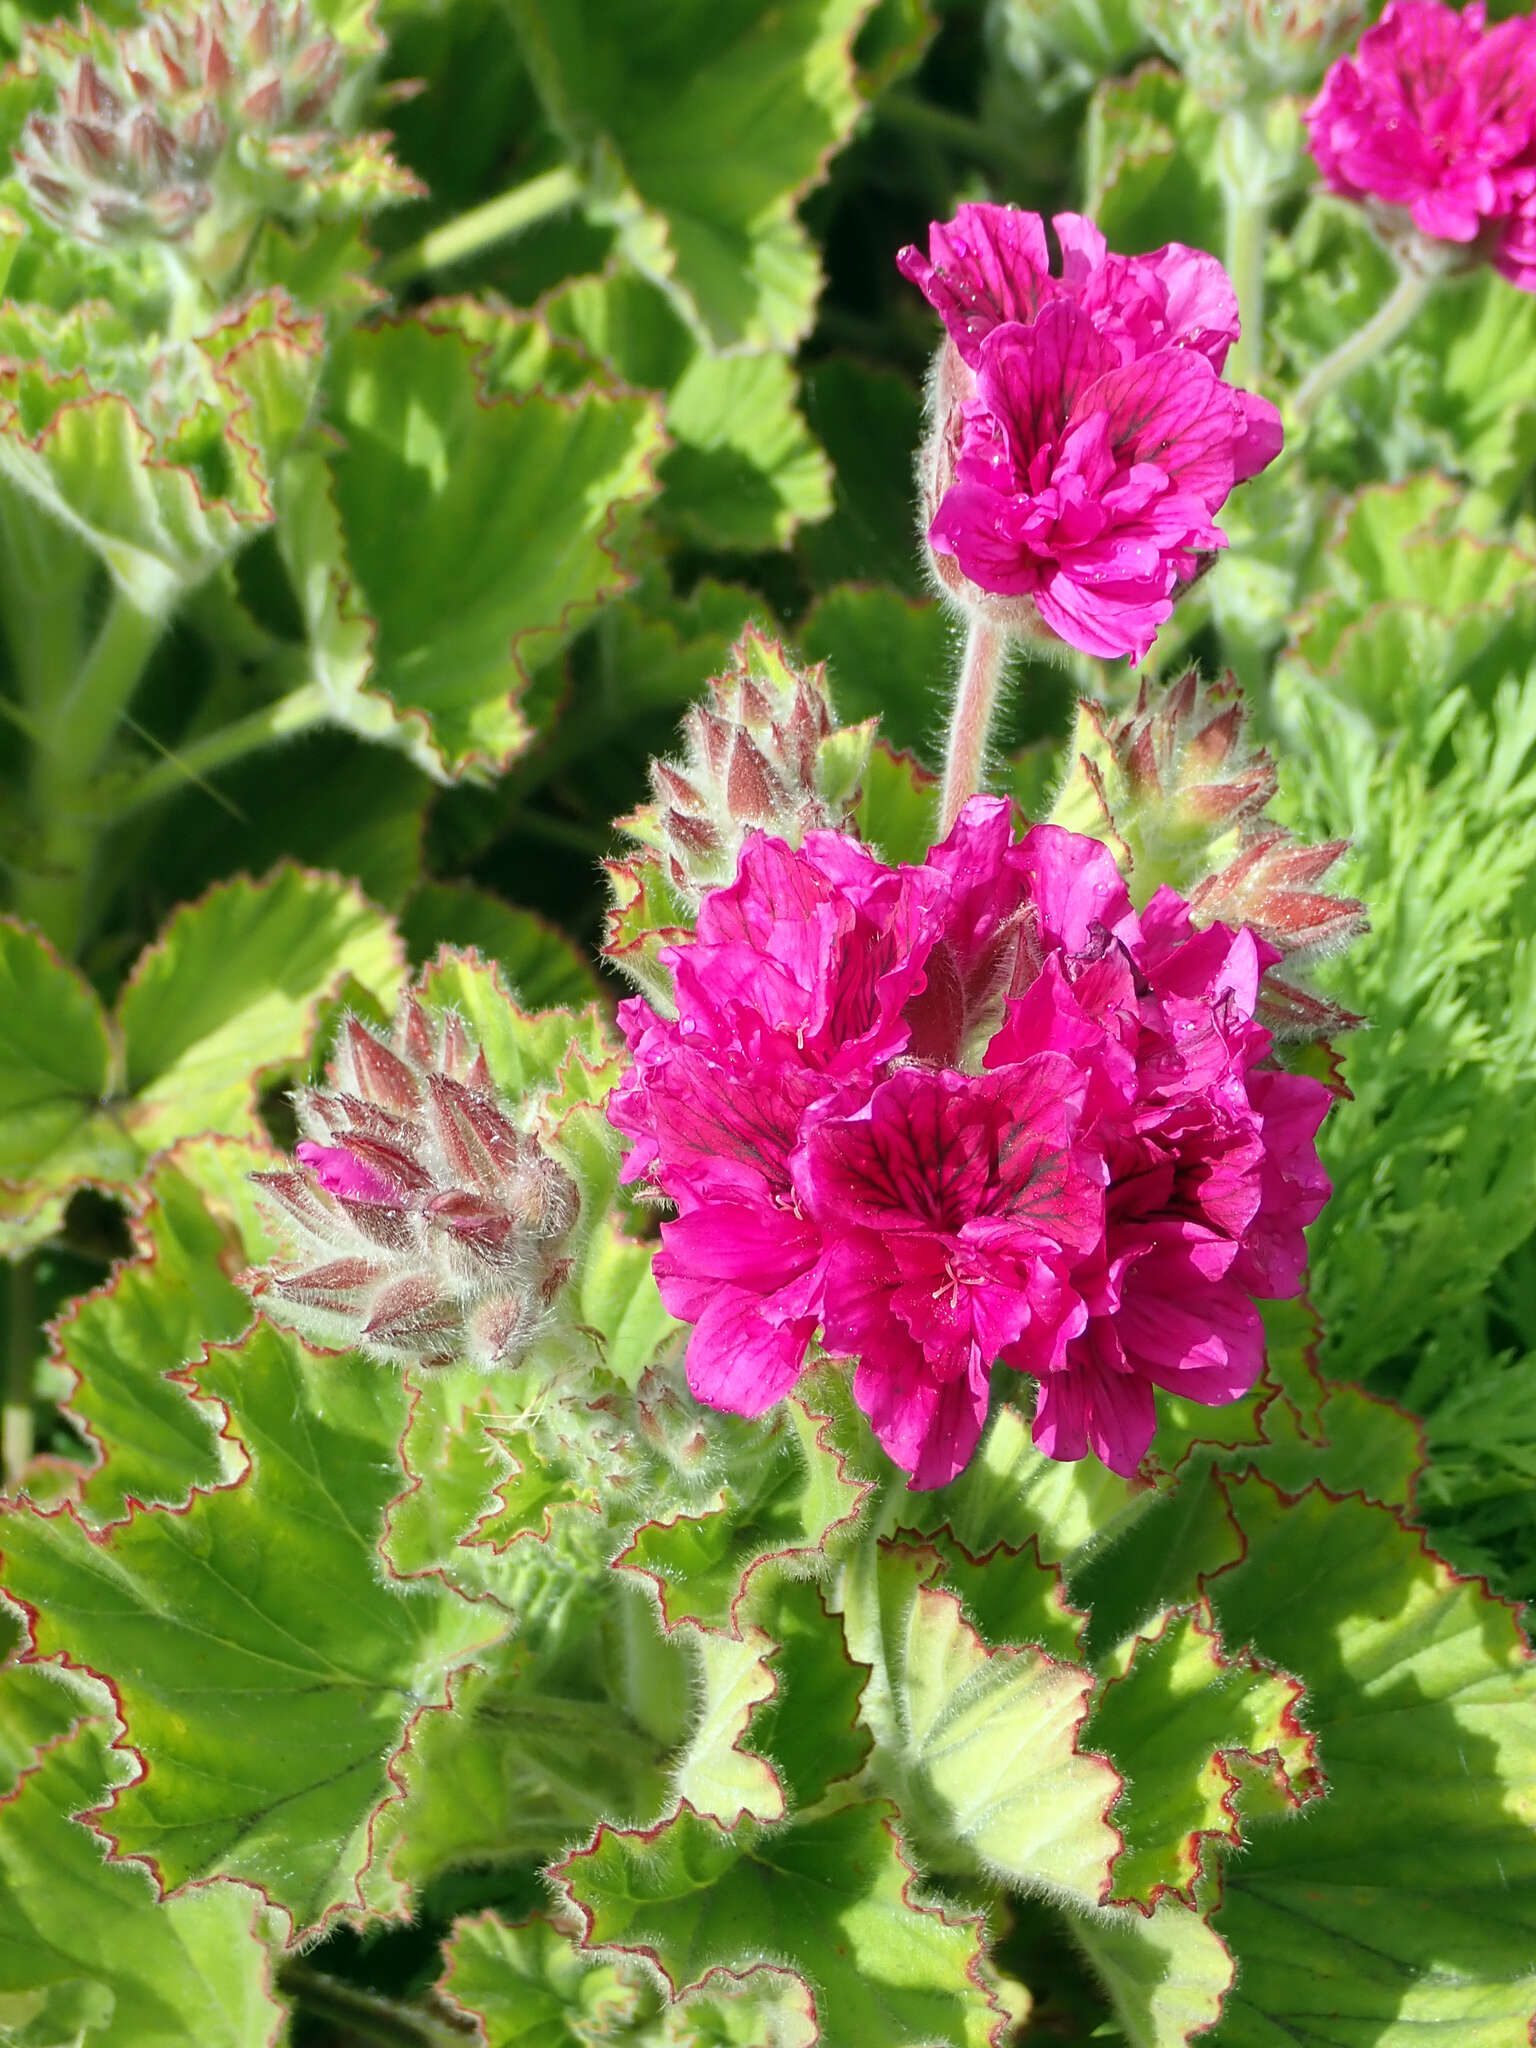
(1247,228)
(1392,316)
(74,733)
(365,2016)
(976,693)
(484,226)
(300,711)
(16,1417)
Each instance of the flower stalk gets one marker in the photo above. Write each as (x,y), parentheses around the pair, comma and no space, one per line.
(977,689)
(482,227)
(1393,317)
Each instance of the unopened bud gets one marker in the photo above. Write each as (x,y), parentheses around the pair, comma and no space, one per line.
(765,752)
(431,1223)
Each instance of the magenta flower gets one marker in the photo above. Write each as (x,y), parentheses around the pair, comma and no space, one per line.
(1434,118)
(1083,440)
(969,1113)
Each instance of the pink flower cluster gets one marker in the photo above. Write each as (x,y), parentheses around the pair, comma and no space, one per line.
(1435,117)
(1083,440)
(969,1112)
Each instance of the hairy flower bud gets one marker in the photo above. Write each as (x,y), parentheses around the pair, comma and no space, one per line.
(431,1224)
(1181,789)
(765,752)
(151,118)
(1237,50)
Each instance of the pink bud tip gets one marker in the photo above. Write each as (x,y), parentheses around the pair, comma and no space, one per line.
(344,1175)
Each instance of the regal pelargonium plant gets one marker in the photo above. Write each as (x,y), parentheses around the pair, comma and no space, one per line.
(927,1549)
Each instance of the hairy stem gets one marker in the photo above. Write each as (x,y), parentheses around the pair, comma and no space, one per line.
(73,733)
(1243,164)
(301,710)
(482,227)
(16,1416)
(1392,316)
(970,725)
(1247,227)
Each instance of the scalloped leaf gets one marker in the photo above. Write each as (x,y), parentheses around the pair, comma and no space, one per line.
(789,1499)
(707,124)
(165,491)
(55,1063)
(988,1740)
(268,1699)
(1176,1721)
(745,471)
(470,536)
(778,1713)
(529,1986)
(526,1050)
(229,992)
(829,1897)
(1168,1977)
(227,997)
(1403,1904)
(155,1442)
(84,1940)
(544,969)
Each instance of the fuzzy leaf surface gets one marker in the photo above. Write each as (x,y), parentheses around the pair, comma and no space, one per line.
(708,124)
(267,1672)
(829,1897)
(79,1933)
(477,530)
(1400,1907)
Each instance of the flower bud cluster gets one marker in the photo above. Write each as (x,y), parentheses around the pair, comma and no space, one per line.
(147,116)
(1181,787)
(433,1225)
(765,753)
(1249,50)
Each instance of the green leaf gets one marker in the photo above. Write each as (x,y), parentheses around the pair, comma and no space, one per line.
(706,125)
(987,1741)
(157,462)
(474,533)
(790,1497)
(543,968)
(55,1064)
(887,657)
(1401,1906)
(84,1938)
(829,1897)
(267,1673)
(228,994)
(869,421)
(745,471)
(1151,163)
(898,808)
(155,1442)
(1176,1722)
(1167,1976)
(529,1986)
(778,1718)
(336,804)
